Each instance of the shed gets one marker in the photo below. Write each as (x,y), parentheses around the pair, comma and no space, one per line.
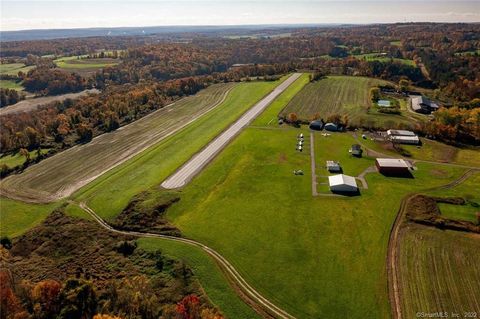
(393,166)
(332,127)
(405,139)
(333,166)
(316,125)
(400,133)
(342,183)
(356,150)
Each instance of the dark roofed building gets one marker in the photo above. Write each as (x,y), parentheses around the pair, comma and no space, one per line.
(356,150)
(421,104)
(316,125)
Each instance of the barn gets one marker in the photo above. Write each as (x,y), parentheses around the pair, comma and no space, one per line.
(342,184)
(393,166)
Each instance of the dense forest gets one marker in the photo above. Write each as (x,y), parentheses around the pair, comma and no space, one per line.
(155,71)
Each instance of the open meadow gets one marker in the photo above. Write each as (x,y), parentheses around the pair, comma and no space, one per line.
(14,68)
(64,173)
(342,95)
(83,65)
(10,84)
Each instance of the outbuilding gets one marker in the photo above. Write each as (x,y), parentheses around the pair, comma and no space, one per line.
(400,133)
(342,184)
(316,125)
(393,166)
(405,139)
(356,150)
(333,167)
(421,104)
(332,127)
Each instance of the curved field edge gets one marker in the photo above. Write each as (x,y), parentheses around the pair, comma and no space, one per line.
(60,175)
(151,167)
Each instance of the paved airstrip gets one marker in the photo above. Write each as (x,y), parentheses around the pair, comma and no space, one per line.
(198,162)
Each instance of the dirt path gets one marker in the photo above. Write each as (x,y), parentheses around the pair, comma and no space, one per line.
(33,103)
(247,293)
(393,252)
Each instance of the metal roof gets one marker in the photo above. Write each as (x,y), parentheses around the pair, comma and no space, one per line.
(393,162)
(342,179)
(401,132)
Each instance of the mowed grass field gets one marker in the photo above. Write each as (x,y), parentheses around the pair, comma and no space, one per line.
(381,58)
(64,173)
(315,256)
(341,95)
(14,68)
(439,271)
(84,66)
(9,84)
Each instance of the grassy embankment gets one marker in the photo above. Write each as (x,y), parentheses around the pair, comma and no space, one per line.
(343,95)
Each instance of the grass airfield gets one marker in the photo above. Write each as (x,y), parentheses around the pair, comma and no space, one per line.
(313,256)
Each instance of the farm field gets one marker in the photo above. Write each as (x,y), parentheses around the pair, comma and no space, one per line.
(439,271)
(280,232)
(83,65)
(380,58)
(9,84)
(341,95)
(64,173)
(14,68)
(34,103)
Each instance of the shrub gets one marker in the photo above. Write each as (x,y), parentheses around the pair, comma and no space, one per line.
(6,242)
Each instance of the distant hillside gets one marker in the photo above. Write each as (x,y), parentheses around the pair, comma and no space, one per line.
(44,34)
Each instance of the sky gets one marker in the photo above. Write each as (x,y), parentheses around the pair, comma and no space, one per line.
(60,14)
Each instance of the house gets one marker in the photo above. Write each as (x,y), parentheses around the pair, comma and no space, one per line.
(316,125)
(414,140)
(421,104)
(342,184)
(393,166)
(331,127)
(333,166)
(356,150)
